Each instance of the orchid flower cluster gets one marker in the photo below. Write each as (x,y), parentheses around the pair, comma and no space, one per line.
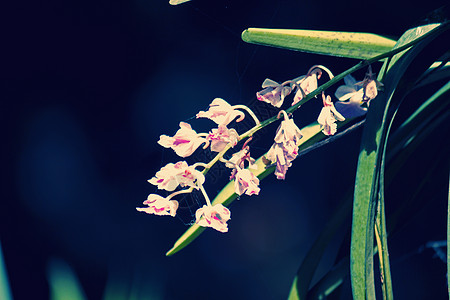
(354,98)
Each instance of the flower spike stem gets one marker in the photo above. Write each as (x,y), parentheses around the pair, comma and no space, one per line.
(208,202)
(330,74)
(250,112)
(284,114)
(186,191)
(223,160)
(200,164)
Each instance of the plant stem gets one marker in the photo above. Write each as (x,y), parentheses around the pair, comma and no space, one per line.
(250,112)
(208,202)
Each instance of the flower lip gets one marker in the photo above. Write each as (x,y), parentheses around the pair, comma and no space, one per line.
(273,92)
(158,205)
(179,174)
(222,136)
(184,142)
(328,116)
(214,216)
(221,112)
(246,182)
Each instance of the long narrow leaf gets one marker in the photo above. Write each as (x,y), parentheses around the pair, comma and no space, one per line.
(336,275)
(5,292)
(343,44)
(448,238)
(369,163)
(64,285)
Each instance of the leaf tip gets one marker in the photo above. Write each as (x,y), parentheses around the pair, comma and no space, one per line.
(244,36)
(172,251)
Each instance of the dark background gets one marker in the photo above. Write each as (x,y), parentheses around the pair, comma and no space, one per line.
(86,90)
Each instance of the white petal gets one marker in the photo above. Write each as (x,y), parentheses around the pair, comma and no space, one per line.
(349,80)
(269,83)
(344,92)
(336,114)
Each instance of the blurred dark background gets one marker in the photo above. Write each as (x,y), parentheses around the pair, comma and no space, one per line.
(87,87)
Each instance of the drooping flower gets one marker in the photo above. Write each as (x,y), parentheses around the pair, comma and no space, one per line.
(246,182)
(285,148)
(328,116)
(288,132)
(221,112)
(172,175)
(282,155)
(353,94)
(309,82)
(350,98)
(184,142)
(222,136)
(273,92)
(213,216)
(238,159)
(158,205)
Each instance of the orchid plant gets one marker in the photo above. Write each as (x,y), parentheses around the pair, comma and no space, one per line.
(372,101)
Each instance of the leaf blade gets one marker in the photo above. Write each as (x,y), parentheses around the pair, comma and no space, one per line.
(406,69)
(342,44)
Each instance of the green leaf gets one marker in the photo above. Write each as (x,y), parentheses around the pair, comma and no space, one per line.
(339,271)
(64,284)
(448,239)
(420,119)
(409,36)
(399,80)
(5,292)
(335,43)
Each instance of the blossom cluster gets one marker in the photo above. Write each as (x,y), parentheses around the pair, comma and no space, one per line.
(354,98)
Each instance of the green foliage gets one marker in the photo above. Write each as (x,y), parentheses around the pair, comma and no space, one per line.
(418,59)
(335,43)
(5,293)
(448,240)
(369,193)
(64,284)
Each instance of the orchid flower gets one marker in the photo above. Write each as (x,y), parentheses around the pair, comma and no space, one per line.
(246,182)
(172,175)
(222,136)
(184,142)
(328,116)
(221,112)
(309,82)
(353,94)
(158,205)
(273,92)
(370,86)
(287,131)
(213,216)
(238,159)
(282,155)
(285,148)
